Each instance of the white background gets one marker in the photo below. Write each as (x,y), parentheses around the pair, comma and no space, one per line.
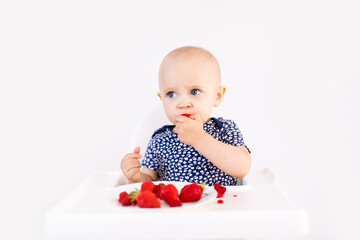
(76,75)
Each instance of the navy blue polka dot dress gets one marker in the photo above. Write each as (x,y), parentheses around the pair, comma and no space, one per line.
(176,161)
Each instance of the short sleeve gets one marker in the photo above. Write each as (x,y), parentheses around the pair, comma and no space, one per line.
(231,134)
(150,159)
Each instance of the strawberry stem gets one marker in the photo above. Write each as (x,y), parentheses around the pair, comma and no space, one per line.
(133,195)
(202,185)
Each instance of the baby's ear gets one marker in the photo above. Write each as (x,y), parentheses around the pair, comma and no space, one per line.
(159,95)
(219,95)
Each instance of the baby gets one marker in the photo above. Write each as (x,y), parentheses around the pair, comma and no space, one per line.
(196,148)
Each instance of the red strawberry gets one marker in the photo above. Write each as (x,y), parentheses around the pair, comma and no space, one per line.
(158,188)
(148,186)
(147,199)
(186,115)
(125,199)
(220,190)
(122,195)
(132,196)
(191,192)
(175,203)
(169,193)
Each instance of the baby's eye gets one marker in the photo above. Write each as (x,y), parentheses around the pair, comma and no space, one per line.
(171,94)
(195,92)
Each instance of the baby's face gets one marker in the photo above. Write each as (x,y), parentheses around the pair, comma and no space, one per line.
(189,87)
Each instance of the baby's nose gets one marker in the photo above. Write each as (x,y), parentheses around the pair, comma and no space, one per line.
(184,103)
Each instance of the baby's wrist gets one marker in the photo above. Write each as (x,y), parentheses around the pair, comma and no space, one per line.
(200,139)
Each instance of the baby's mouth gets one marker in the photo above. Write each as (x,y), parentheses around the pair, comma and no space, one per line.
(186,115)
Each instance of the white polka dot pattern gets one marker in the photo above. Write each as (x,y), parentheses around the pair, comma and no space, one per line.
(176,161)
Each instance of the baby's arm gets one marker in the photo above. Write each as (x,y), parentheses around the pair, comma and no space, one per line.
(133,170)
(233,160)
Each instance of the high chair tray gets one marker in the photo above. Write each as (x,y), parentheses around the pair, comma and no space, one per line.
(263,209)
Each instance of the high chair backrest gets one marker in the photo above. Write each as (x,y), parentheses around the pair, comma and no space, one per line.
(151,120)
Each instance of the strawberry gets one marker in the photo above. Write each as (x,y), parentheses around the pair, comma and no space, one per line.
(122,195)
(220,190)
(158,188)
(148,186)
(147,199)
(191,192)
(175,203)
(132,196)
(125,199)
(169,193)
(186,115)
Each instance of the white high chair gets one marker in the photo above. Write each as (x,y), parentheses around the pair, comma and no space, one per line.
(260,209)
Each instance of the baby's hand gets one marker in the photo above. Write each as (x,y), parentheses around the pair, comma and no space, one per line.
(189,130)
(130,165)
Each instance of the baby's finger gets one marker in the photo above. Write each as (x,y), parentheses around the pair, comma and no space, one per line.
(181,119)
(196,117)
(179,125)
(134,155)
(137,150)
(131,165)
(132,172)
